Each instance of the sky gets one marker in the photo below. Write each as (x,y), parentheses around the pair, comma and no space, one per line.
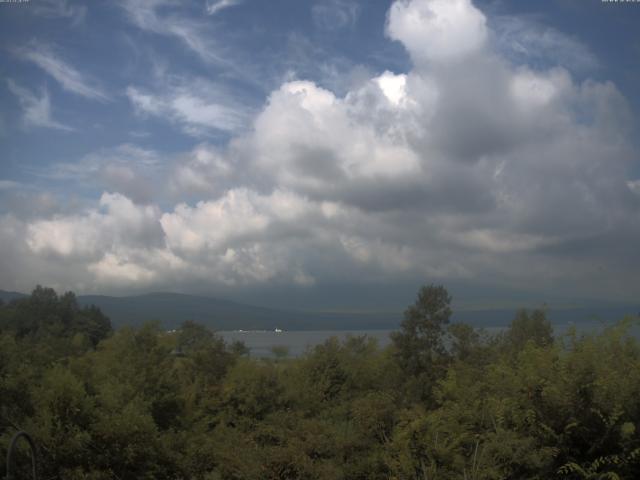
(331,154)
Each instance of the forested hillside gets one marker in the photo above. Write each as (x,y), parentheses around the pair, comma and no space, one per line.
(444,401)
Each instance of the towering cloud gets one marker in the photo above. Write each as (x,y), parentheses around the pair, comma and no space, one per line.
(437,30)
(467,166)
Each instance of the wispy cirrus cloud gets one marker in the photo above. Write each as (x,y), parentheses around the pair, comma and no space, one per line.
(199,107)
(36,110)
(59,9)
(174,20)
(216,6)
(92,164)
(160,17)
(335,14)
(64,73)
(525,40)
(126,168)
(9,185)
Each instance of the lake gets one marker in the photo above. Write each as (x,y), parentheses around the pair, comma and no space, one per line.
(260,342)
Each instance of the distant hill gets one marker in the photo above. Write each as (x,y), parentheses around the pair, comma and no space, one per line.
(557,316)
(6,297)
(171,309)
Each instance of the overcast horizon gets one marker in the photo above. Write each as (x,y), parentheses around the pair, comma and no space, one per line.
(322,154)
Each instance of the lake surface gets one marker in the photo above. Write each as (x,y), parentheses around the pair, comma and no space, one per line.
(297,342)
(260,343)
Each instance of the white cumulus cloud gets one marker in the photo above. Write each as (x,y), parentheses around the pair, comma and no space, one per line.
(467,166)
(437,30)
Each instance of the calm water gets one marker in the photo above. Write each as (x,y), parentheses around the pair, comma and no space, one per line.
(260,343)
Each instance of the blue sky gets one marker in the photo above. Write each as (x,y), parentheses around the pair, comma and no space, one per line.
(336,149)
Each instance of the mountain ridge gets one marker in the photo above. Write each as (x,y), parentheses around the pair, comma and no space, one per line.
(171,309)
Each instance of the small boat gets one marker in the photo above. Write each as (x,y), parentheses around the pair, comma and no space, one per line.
(277,330)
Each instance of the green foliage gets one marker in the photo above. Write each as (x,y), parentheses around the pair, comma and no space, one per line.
(529,327)
(421,336)
(465,341)
(280,351)
(442,402)
(420,349)
(45,315)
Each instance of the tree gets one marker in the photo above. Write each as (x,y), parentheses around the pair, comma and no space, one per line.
(464,340)
(44,314)
(529,327)
(420,349)
(90,321)
(194,336)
